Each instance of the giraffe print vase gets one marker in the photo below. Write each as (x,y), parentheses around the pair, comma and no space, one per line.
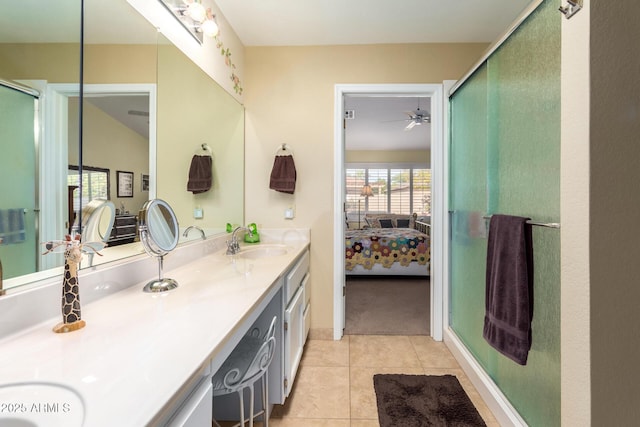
(73,250)
(71,313)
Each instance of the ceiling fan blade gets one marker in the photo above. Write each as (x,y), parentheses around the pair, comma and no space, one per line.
(138,113)
(393,121)
(410,125)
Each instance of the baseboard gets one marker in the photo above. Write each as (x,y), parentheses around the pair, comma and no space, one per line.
(505,413)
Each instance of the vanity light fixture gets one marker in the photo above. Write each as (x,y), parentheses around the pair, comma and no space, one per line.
(203,20)
(192,14)
(209,26)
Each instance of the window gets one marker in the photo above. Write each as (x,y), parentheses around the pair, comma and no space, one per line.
(400,190)
(421,191)
(95,184)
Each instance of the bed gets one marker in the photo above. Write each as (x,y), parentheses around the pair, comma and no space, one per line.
(403,251)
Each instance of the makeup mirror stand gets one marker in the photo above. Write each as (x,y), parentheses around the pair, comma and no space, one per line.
(158,228)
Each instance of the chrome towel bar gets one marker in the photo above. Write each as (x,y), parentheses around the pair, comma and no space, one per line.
(540,224)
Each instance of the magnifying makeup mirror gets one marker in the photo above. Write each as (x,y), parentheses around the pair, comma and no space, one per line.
(159,234)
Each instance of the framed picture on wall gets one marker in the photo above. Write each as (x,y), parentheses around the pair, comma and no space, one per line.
(144,180)
(125,183)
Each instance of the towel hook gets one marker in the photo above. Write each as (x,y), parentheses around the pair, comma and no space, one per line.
(205,147)
(283,148)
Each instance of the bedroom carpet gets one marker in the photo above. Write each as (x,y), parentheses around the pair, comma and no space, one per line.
(423,400)
(386,305)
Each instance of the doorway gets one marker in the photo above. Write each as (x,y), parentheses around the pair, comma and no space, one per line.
(434,94)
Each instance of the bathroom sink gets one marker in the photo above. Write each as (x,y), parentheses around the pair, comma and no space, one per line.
(38,403)
(262,251)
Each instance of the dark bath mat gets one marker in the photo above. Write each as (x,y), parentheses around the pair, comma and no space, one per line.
(423,400)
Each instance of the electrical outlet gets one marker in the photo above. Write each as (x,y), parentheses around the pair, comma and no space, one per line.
(197,213)
(289,213)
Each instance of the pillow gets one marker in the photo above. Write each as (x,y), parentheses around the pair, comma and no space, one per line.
(403,223)
(385,223)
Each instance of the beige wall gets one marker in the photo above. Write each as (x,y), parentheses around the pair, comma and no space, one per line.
(600,215)
(380,156)
(289,99)
(55,62)
(60,63)
(106,63)
(614,206)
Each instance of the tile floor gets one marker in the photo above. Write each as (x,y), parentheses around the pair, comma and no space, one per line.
(334,384)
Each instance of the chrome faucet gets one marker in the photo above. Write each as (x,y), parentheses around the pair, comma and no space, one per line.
(233,247)
(194,227)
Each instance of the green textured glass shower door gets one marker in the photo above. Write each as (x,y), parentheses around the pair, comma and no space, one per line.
(505,158)
(17,181)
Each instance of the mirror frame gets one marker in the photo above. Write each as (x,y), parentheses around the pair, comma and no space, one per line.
(147,228)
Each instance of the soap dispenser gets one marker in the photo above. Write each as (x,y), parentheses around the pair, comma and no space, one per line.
(254,237)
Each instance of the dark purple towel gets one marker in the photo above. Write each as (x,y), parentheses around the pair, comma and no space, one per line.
(283,175)
(509,291)
(200,174)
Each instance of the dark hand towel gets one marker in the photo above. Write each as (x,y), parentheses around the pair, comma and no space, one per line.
(200,174)
(509,291)
(283,175)
(12,228)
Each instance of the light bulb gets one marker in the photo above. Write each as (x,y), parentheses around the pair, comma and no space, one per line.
(210,28)
(197,12)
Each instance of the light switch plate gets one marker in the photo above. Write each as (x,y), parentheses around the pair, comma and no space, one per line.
(197,213)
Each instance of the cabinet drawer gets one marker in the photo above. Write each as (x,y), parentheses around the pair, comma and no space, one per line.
(125,229)
(125,220)
(295,276)
(293,338)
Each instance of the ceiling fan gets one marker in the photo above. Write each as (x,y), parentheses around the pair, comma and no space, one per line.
(416,118)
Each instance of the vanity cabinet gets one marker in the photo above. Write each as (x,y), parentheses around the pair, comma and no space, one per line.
(291,305)
(124,230)
(296,329)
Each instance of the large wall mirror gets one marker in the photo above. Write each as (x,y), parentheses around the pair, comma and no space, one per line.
(147,109)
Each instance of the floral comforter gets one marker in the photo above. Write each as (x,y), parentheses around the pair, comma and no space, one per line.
(385,246)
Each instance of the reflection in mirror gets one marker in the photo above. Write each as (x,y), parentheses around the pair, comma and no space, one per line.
(97,222)
(194,111)
(95,183)
(159,230)
(17,181)
(39,48)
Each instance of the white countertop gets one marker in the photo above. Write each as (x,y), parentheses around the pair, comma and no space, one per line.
(138,349)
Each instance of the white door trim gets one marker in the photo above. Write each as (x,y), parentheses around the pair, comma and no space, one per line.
(439,197)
